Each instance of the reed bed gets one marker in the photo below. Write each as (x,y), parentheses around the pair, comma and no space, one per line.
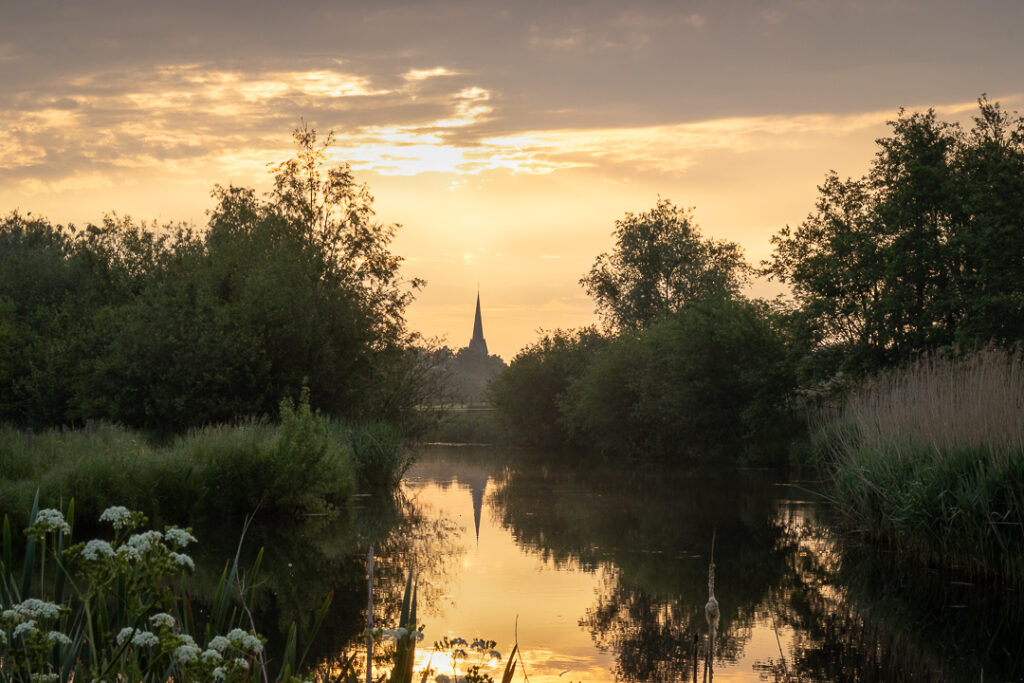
(930,459)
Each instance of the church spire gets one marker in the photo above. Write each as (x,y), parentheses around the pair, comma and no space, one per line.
(478,343)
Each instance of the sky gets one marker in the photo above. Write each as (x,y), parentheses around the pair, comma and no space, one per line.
(506,138)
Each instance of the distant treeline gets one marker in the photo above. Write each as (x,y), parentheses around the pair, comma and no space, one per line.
(173,327)
(923,254)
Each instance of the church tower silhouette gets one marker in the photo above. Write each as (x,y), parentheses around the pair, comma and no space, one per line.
(478,343)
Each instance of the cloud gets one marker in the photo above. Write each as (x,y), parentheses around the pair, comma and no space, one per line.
(416,75)
(191,120)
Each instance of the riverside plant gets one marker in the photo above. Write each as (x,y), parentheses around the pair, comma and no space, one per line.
(400,652)
(118,609)
(930,458)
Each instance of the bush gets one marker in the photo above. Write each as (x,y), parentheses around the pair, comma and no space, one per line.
(307,464)
(712,378)
(528,393)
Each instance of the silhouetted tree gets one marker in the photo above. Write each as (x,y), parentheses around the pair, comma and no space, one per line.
(659,263)
(925,251)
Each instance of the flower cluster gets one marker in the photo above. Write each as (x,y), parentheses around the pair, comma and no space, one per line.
(48,521)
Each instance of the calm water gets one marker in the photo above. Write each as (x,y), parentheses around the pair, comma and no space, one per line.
(606,571)
(603,570)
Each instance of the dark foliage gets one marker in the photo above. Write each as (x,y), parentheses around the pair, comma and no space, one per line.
(170,328)
(924,252)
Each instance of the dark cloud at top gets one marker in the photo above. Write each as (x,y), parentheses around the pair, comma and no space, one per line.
(567,63)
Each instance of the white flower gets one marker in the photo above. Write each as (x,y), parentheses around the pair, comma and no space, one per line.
(24,627)
(3,637)
(96,548)
(124,634)
(118,515)
(252,643)
(219,643)
(241,663)
(185,654)
(162,620)
(34,608)
(129,552)
(10,615)
(179,537)
(184,561)
(219,674)
(145,639)
(212,656)
(186,639)
(58,637)
(144,541)
(49,519)
(45,678)
(236,635)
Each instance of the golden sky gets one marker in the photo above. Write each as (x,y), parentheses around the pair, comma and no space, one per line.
(505,137)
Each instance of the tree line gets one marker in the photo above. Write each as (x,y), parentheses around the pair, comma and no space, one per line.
(166,328)
(925,253)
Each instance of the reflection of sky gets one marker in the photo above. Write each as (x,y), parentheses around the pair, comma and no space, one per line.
(498,580)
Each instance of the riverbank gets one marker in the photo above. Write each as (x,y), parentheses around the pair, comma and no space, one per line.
(929,459)
(306,464)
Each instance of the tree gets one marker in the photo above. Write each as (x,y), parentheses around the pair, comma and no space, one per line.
(659,263)
(925,251)
(168,328)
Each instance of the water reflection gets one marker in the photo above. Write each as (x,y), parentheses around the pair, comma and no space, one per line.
(304,563)
(796,603)
(651,531)
(604,568)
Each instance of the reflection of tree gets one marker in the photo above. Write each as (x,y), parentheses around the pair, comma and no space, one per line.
(304,563)
(649,531)
(857,613)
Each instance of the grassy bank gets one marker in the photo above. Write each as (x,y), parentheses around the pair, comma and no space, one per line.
(930,459)
(305,464)
(466,425)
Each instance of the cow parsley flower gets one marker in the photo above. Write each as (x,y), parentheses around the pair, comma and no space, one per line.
(24,627)
(124,634)
(211,656)
(179,537)
(241,663)
(95,549)
(236,635)
(33,608)
(186,654)
(58,637)
(144,541)
(162,620)
(145,639)
(130,553)
(118,515)
(183,561)
(219,643)
(219,674)
(50,520)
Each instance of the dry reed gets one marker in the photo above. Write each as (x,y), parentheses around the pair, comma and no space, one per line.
(930,458)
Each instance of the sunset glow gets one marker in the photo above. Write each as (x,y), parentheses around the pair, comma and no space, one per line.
(507,141)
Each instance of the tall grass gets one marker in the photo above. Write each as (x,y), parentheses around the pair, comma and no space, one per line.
(930,458)
(305,464)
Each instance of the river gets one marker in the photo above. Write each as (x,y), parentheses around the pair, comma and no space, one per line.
(599,571)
